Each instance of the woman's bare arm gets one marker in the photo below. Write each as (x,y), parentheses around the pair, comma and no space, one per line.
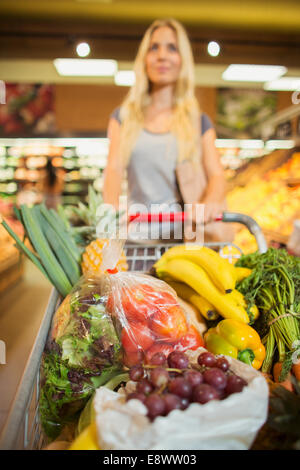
(216,184)
(113,173)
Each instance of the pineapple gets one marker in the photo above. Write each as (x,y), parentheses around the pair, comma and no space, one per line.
(92,258)
(84,221)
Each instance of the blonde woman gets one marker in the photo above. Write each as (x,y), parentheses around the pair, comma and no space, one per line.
(159,125)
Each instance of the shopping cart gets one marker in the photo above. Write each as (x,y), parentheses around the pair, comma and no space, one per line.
(22,429)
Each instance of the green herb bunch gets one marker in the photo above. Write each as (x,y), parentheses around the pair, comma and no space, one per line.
(274,286)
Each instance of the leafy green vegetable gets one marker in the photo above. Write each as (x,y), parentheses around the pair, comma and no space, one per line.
(274,286)
(85,356)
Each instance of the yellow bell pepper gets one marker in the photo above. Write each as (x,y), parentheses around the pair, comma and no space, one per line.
(238,340)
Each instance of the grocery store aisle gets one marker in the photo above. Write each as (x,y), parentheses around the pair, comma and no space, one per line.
(21,310)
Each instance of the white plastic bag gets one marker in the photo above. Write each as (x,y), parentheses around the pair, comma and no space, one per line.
(229,424)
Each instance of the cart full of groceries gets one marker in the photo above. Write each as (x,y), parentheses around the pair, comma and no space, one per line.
(165,346)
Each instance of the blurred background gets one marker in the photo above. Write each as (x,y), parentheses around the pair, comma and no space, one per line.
(54,115)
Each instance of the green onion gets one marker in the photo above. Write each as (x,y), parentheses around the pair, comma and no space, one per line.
(54,270)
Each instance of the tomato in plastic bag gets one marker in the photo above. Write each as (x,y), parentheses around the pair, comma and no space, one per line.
(149,317)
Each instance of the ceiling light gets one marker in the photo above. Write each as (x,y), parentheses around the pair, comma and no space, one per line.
(279,144)
(213,48)
(240,143)
(83,49)
(285,83)
(125,78)
(253,73)
(86,67)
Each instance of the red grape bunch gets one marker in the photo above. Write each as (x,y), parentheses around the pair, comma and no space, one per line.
(172,382)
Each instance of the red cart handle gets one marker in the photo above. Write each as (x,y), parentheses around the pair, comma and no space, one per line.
(163,217)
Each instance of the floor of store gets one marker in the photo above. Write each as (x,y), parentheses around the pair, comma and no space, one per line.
(21,310)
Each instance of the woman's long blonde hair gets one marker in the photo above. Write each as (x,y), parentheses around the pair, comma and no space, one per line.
(185,120)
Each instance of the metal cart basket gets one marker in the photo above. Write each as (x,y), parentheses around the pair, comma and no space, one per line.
(22,429)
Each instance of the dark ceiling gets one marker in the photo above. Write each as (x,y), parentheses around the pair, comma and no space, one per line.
(47,29)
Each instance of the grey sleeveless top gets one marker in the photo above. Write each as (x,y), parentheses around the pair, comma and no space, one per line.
(151,169)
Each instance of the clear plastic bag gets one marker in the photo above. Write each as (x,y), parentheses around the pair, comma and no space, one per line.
(149,318)
(82,352)
(293,244)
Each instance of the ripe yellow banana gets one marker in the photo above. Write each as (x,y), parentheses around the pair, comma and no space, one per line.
(240,300)
(206,309)
(241,273)
(186,271)
(221,272)
(238,297)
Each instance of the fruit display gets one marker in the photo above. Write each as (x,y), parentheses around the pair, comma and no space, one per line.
(11,267)
(272,199)
(28,108)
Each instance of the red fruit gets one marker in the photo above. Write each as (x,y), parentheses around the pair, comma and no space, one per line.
(136,336)
(158,296)
(163,348)
(110,303)
(191,340)
(132,358)
(136,304)
(169,323)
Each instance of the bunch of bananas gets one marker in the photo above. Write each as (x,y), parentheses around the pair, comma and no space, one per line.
(203,278)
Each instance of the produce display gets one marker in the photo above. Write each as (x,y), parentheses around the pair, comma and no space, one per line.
(11,267)
(272,199)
